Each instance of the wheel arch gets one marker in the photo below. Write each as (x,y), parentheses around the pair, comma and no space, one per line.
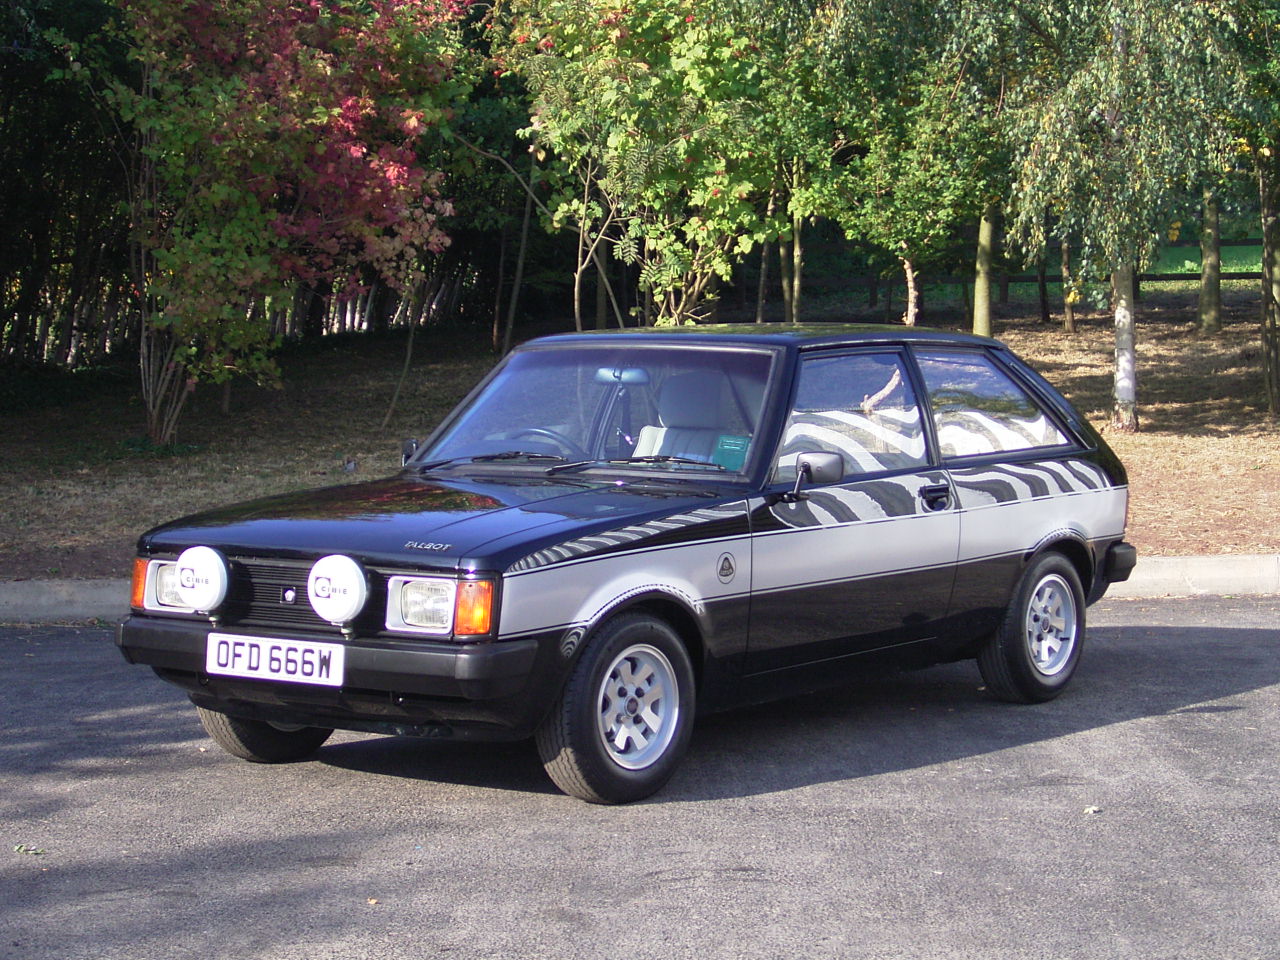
(683,614)
(682,620)
(1073,548)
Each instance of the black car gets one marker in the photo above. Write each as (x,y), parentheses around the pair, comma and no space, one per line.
(617,531)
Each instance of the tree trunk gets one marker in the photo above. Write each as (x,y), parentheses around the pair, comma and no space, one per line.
(913,293)
(712,298)
(1068,291)
(982,276)
(165,387)
(762,289)
(1124,416)
(518,278)
(786,263)
(401,311)
(1042,285)
(797,265)
(1210,267)
(1269,192)
(495,335)
(602,299)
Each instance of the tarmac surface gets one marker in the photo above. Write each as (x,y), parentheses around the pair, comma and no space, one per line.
(72,601)
(900,817)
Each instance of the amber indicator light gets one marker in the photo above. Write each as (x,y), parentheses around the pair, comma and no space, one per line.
(473,612)
(137,598)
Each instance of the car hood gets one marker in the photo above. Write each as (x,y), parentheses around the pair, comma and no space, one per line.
(424,522)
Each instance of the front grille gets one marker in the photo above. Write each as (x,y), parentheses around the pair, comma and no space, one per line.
(256,596)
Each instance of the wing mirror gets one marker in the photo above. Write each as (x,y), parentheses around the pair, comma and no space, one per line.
(407,449)
(819,468)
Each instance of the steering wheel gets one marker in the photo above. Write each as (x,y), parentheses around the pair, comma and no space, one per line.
(574,451)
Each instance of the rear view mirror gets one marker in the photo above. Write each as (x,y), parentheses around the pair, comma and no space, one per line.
(407,449)
(627,375)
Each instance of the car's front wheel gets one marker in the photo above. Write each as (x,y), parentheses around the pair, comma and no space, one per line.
(260,741)
(624,718)
(1034,653)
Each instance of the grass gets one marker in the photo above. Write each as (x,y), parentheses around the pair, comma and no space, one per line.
(78,488)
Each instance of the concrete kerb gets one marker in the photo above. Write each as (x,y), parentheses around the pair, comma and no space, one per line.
(1223,576)
(62,601)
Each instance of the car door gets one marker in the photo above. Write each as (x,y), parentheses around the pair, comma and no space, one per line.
(866,562)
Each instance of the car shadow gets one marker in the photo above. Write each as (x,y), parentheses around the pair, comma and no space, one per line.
(502,766)
(917,719)
(885,722)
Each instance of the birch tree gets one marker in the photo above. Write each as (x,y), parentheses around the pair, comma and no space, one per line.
(1120,111)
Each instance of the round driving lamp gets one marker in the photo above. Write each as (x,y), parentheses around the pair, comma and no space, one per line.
(201,578)
(338,588)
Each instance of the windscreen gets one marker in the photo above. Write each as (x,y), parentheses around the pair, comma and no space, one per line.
(685,408)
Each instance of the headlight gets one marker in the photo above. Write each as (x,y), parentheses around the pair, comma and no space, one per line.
(439,606)
(166,580)
(155,586)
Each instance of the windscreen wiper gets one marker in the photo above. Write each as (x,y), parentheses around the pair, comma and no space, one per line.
(487,457)
(656,458)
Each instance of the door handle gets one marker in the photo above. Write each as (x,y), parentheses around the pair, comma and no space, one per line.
(936,496)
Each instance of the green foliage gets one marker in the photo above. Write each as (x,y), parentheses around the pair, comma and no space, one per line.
(274,141)
(1117,107)
(649,111)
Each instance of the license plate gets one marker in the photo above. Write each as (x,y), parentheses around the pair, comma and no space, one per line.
(267,658)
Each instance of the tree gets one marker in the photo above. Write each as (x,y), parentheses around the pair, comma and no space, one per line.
(922,174)
(62,239)
(273,141)
(1259,126)
(647,111)
(1122,109)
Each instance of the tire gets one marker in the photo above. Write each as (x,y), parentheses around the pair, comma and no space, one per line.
(623,720)
(1034,653)
(260,741)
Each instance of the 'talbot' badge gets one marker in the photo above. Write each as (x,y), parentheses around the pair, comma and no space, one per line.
(726,567)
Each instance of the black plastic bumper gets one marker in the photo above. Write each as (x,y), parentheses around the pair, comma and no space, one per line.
(1121,559)
(502,686)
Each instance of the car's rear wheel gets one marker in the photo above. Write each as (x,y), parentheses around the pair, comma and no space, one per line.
(1034,653)
(260,741)
(623,721)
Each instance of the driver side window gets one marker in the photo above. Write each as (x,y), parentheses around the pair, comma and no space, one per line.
(860,406)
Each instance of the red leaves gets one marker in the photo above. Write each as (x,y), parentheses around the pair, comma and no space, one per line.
(315,108)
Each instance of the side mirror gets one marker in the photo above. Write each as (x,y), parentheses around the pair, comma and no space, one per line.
(407,449)
(819,468)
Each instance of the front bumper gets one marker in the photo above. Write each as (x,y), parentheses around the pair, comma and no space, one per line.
(492,690)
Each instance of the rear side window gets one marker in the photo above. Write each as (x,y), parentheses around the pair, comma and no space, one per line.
(979,409)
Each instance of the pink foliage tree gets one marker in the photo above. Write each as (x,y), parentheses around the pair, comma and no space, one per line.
(280,141)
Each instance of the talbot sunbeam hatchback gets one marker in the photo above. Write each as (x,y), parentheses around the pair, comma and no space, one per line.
(615,532)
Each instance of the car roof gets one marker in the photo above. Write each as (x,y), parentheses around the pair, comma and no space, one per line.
(773,335)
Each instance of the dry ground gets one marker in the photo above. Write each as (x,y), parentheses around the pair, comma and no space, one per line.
(1204,472)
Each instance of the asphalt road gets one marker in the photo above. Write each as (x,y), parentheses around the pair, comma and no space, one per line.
(906,816)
